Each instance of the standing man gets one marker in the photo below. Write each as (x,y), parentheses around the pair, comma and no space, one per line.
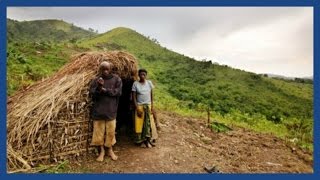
(105,91)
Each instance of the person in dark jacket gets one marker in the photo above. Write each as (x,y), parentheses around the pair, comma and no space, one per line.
(105,91)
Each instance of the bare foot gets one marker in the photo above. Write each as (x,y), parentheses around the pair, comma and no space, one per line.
(100,157)
(112,155)
(149,145)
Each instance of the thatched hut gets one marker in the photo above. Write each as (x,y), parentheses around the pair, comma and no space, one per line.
(49,121)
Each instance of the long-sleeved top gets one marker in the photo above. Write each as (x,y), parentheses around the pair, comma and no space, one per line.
(105,104)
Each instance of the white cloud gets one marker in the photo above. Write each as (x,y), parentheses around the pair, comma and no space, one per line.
(282,46)
(258,39)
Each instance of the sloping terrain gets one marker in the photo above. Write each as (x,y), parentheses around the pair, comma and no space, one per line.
(45,30)
(187,146)
(184,86)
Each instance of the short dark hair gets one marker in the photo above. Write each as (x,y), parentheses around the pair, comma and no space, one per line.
(142,70)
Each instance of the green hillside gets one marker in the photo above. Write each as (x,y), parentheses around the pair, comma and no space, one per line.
(219,87)
(37,49)
(45,30)
(186,86)
(192,87)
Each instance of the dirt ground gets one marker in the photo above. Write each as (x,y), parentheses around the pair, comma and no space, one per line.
(185,145)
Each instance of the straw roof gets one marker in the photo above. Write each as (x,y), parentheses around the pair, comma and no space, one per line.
(38,106)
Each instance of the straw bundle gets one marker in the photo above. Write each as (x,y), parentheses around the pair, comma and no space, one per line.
(50,119)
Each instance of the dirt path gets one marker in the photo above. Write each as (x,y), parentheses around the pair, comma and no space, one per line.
(185,145)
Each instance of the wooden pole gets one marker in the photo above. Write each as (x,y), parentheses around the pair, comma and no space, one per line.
(208,112)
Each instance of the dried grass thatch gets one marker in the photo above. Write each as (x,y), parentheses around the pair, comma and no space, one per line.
(50,118)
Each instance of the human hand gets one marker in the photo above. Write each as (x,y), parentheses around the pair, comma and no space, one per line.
(102,89)
(139,113)
(100,81)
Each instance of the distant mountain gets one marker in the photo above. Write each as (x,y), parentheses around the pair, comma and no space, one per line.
(280,76)
(308,80)
(182,82)
(45,30)
(308,77)
(286,77)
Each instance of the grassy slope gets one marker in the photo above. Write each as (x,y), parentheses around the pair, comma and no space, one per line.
(31,62)
(237,97)
(220,87)
(184,85)
(37,49)
(45,30)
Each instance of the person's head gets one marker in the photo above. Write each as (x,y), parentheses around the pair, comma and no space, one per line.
(142,74)
(105,68)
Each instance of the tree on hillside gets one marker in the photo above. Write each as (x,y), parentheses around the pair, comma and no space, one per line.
(91,30)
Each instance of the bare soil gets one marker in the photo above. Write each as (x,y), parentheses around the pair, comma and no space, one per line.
(186,145)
